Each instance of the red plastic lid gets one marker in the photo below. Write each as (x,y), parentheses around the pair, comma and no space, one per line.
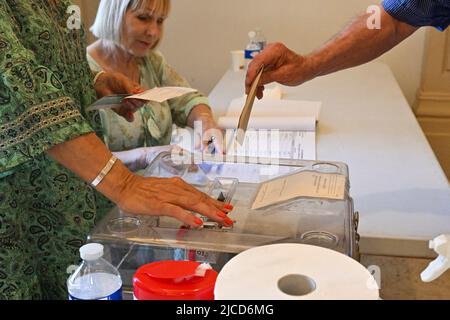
(173,280)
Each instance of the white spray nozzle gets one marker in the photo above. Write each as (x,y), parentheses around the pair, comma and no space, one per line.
(438,266)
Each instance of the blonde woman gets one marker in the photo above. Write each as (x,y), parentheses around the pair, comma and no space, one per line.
(128,32)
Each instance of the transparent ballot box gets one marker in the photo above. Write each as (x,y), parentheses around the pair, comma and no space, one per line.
(131,240)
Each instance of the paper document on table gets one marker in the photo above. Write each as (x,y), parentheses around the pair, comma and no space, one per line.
(274,122)
(275,144)
(270,107)
(295,121)
(156,94)
(300,184)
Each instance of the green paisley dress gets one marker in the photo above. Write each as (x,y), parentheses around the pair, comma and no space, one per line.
(46,212)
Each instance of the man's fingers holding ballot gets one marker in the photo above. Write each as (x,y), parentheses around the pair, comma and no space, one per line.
(281,65)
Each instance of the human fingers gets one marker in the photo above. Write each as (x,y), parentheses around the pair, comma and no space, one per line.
(180,214)
(260,92)
(214,147)
(253,68)
(128,107)
(180,183)
(269,58)
(213,140)
(280,65)
(198,203)
(134,104)
(122,84)
(110,83)
(126,110)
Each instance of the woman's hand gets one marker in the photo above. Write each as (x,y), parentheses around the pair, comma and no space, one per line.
(171,197)
(110,83)
(86,156)
(162,196)
(212,138)
(212,135)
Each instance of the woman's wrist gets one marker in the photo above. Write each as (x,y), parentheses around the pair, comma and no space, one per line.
(106,169)
(87,156)
(200,112)
(97,76)
(115,184)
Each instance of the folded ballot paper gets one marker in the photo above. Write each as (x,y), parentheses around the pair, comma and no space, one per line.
(277,128)
(155,94)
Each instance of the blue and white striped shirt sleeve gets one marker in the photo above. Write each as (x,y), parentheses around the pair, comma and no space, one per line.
(420,13)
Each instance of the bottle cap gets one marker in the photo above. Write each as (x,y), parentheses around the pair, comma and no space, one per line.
(91,251)
(252,34)
(174,280)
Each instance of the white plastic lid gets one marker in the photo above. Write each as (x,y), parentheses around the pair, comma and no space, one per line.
(91,251)
(252,34)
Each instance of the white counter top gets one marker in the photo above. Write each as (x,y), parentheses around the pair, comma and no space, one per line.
(398,186)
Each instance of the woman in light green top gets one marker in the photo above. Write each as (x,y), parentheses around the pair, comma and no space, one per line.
(128,32)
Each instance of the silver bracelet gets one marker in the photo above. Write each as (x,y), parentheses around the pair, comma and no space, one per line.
(98,76)
(104,171)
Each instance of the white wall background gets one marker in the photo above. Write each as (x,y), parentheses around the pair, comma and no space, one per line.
(200,33)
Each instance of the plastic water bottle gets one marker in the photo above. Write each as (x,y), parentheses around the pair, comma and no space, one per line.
(95,278)
(252,48)
(260,39)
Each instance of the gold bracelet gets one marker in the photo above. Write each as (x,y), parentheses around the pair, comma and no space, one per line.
(104,171)
(98,75)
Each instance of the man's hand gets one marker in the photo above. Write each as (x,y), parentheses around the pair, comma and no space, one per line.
(354,45)
(110,83)
(281,65)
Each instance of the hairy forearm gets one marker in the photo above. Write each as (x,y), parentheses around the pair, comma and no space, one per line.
(86,156)
(357,44)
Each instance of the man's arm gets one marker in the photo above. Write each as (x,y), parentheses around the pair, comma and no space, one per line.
(355,45)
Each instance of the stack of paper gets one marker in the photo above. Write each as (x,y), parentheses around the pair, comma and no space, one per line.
(277,128)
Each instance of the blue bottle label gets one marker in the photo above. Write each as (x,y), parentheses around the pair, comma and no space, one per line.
(115,296)
(250,54)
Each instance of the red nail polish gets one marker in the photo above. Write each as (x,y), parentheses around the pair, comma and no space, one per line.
(137,90)
(228,221)
(221,214)
(228,206)
(198,221)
